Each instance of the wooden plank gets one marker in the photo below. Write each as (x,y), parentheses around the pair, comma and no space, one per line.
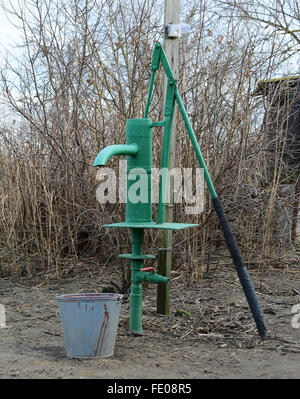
(171,47)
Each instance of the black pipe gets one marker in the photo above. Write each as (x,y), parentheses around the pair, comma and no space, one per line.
(241,269)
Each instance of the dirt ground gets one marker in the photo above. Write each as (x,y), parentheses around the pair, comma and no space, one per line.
(209,334)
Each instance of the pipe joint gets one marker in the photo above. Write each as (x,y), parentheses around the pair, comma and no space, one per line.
(150,277)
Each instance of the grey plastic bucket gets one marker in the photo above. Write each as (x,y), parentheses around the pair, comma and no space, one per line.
(89,323)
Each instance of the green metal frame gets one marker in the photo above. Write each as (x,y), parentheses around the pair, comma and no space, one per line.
(159,56)
(138,149)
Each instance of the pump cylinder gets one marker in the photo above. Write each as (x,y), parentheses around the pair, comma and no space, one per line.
(139,166)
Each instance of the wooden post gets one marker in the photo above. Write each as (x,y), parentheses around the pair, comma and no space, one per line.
(171,47)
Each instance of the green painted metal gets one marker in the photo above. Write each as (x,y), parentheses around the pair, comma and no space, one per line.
(138,150)
(151,277)
(139,131)
(154,68)
(149,95)
(159,52)
(169,112)
(118,149)
(153,225)
(163,59)
(156,57)
(137,277)
(143,256)
(159,123)
(230,240)
(195,144)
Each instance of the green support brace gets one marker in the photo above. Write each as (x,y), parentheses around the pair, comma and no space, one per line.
(169,112)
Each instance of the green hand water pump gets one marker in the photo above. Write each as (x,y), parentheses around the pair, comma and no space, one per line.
(138,152)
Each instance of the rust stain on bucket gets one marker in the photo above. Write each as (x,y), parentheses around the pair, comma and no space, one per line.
(102,331)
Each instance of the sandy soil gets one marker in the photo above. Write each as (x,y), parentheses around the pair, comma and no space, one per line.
(209,334)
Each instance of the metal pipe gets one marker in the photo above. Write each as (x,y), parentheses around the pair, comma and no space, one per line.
(154,68)
(118,149)
(137,277)
(149,95)
(169,113)
(135,297)
(195,144)
(151,277)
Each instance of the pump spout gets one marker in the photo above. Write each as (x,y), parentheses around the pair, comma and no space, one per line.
(118,149)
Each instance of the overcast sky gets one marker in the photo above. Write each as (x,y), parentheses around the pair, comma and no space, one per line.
(9,35)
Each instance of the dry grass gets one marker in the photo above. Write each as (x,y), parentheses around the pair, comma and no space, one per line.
(74,100)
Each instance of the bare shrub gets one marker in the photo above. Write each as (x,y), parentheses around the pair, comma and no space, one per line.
(85,71)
